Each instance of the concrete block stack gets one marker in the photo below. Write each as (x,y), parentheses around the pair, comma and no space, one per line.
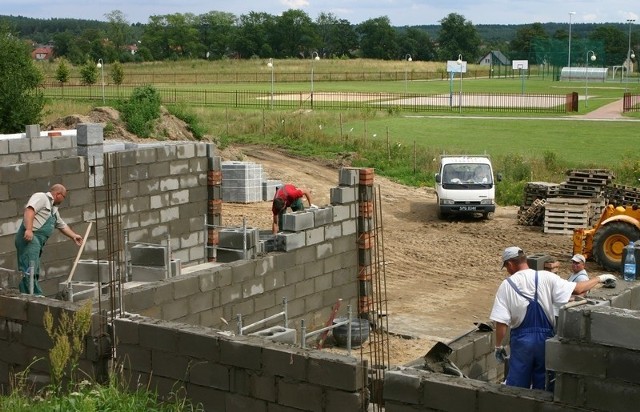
(150,263)
(214,201)
(90,145)
(595,356)
(237,244)
(241,182)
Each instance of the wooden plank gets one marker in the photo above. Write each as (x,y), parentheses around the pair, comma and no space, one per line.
(567,201)
(567,215)
(594,180)
(567,208)
(558,231)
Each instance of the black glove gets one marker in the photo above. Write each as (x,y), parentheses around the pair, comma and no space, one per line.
(501,354)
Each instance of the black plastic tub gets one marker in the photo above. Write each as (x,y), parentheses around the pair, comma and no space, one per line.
(359,332)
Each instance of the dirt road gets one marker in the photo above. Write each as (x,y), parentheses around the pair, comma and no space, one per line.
(441,275)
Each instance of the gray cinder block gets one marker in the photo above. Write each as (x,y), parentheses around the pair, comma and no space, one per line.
(91,270)
(278,334)
(234,238)
(322,216)
(348,177)
(89,134)
(290,241)
(148,255)
(297,221)
(342,194)
(32,130)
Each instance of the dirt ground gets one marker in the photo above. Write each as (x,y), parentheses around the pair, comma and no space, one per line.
(441,276)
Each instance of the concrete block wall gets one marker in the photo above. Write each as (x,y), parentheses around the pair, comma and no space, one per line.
(596,356)
(163,190)
(36,149)
(24,342)
(312,278)
(235,373)
(408,389)
(473,354)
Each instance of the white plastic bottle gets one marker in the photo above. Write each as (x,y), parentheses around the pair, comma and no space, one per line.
(629,267)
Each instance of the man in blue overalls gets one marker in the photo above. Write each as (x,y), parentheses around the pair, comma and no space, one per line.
(524,302)
(40,217)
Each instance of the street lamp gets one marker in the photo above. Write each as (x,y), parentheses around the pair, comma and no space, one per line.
(459,61)
(314,57)
(270,65)
(571,13)
(629,56)
(100,66)
(407,58)
(586,75)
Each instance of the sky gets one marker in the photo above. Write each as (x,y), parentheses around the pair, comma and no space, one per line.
(399,12)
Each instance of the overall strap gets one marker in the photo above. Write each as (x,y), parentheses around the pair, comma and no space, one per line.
(535,296)
(513,285)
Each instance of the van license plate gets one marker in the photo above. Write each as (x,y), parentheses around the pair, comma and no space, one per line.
(467,208)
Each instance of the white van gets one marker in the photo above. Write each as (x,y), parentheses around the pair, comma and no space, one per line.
(465,185)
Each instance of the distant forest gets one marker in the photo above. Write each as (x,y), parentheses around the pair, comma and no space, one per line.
(218,35)
(42,30)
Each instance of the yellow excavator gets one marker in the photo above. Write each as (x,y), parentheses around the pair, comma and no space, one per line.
(605,241)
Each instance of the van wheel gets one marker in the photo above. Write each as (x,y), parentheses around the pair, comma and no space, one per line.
(488,215)
(442,214)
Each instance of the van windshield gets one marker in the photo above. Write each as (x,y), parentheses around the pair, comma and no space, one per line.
(466,174)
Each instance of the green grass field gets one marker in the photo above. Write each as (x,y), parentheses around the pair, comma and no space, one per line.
(527,146)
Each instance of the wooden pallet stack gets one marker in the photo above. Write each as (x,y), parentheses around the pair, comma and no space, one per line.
(574,203)
(531,213)
(563,214)
(587,183)
(577,202)
(622,195)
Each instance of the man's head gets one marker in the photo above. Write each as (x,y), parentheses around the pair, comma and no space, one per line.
(59,193)
(512,258)
(577,263)
(279,204)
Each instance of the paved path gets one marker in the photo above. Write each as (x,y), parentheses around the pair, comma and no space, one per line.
(612,111)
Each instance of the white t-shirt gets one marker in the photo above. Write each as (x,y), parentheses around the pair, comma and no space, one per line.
(42,204)
(510,308)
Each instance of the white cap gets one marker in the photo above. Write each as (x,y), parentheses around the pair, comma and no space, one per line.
(510,253)
(578,258)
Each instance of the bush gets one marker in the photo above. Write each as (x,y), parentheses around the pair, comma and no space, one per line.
(141,110)
(190,118)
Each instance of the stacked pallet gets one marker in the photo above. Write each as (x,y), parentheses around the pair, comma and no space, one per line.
(531,213)
(586,183)
(564,214)
(622,195)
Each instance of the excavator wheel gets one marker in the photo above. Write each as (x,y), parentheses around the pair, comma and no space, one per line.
(609,242)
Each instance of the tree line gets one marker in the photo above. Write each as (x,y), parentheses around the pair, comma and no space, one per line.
(293,34)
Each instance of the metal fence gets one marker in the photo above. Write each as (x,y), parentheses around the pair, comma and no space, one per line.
(414,102)
(264,76)
(631,103)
